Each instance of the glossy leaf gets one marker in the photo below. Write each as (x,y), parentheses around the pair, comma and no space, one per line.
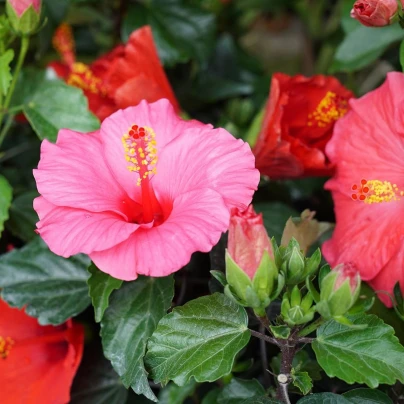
(324,398)
(6,195)
(367,396)
(238,390)
(100,286)
(132,316)
(52,288)
(198,340)
(302,381)
(181,31)
(363,46)
(372,355)
(55,105)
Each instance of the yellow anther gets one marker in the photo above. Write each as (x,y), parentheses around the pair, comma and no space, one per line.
(330,108)
(382,191)
(5,346)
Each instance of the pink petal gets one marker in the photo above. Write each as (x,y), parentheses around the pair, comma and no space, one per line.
(202,157)
(73,173)
(389,276)
(159,116)
(68,231)
(195,224)
(367,235)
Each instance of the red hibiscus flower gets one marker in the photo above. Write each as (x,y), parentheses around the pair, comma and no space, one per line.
(119,79)
(368,149)
(298,123)
(37,363)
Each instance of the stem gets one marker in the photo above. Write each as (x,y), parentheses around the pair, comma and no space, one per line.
(264,359)
(5,129)
(312,327)
(20,61)
(264,337)
(283,390)
(288,351)
(264,322)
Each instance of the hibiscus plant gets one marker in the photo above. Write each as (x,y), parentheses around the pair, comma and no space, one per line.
(201,201)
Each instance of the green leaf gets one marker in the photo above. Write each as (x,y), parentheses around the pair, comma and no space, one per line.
(55,105)
(324,398)
(275,216)
(364,45)
(96,381)
(23,216)
(302,381)
(173,394)
(52,288)
(367,396)
(181,31)
(238,390)
(371,356)
(199,339)
(132,316)
(5,70)
(280,331)
(6,195)
(211,397)
(100,286)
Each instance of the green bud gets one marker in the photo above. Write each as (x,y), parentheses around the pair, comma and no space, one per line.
(295,310)
(238,280)
(339,291)
(24,16)
(311,264)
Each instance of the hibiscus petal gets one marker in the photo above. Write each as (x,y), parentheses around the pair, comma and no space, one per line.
(68,231)
(203,157)
(391,273)
(73,173)
(159,116)
(367,235)
(195,224)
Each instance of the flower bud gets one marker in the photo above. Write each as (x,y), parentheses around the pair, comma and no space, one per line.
(339,291)
(251,272)
(374,13)
(295,266)
(295,310)
(24,15)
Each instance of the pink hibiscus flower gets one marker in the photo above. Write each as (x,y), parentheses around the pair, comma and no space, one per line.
(368,150)
(144,192)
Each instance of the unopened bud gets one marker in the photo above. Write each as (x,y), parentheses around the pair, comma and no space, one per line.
(375,13)
(24,15)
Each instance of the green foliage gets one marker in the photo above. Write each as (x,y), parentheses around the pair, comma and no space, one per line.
(6,195)
(363,46)
(357,396)
(5,70)
(238,390)
(100,287)
(52,288)
(371,355)
(55,105)
(132,316)
(173,394)
(22,216)
(96,381)
(302,381)
(181,31)
(198,340)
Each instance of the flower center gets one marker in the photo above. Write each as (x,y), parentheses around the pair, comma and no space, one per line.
(330,108)
(140,149)
(82,77)
(376,191)
(5,346)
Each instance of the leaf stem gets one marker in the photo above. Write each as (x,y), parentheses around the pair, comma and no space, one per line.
(312,327)
(6,127)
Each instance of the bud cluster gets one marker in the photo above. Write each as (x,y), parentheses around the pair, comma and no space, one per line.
(258,271)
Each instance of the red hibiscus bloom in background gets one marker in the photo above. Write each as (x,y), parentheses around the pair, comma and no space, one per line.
(37,363)
(368,145)
(119,79)
(298,122)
